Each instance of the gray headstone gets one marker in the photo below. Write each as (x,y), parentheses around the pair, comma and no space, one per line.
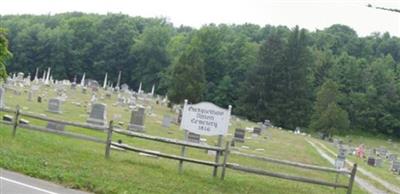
(2,99)
(97,114)
(382,152)
(257,130)
(371,161)
(239,135)
(392,157)
(55,126)
(166,121)
(54,105)
(30,95)
(7,118)
(193,137)
(396,166)
(137,120)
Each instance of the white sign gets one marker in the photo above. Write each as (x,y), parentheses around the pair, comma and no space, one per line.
(205,118)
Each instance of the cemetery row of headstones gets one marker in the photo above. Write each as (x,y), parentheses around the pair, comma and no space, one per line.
(376,157)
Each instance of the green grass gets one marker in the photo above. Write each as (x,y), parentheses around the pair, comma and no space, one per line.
(81,165)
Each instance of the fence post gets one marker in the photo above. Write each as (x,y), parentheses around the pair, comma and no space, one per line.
(16,118)
(109,139)
(218,153)
(351,181)
(183,151)
(226,153)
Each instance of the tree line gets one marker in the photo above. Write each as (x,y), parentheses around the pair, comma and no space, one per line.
(329,80)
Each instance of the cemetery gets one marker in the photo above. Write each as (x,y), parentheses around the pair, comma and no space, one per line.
(67,111)
(97,98)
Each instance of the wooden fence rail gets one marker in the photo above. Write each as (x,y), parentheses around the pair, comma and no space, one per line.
(283,176)
(181,159)
(166,140)
(169,156)
(294,164)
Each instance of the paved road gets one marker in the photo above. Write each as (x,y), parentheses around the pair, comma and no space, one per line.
(15,183)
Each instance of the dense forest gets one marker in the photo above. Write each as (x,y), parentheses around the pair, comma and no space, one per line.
(329,80)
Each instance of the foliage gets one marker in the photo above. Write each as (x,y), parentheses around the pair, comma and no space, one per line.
(4,53)
(328,117)
(264,72)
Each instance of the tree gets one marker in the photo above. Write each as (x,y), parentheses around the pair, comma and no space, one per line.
(328,117)
(187,80)
(260,96)
(4,54)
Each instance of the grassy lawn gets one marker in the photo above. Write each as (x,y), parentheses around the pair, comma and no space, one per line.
(81,165)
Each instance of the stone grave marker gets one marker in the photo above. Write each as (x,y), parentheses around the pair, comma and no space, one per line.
(381,151)
(396,166)
(166,121)
(257,130)
(378,162)
(24,122)
(392,157)
(55,126)
(341,158)
(193,137)
(372,161)
(7,118)
(137,120)
(239,135)
(98,114)
(39,99)
(30,95)
(54,105)
(2,99)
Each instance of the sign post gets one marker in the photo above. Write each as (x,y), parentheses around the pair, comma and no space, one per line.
(208,119)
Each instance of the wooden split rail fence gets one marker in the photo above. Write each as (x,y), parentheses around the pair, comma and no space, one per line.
(215,164)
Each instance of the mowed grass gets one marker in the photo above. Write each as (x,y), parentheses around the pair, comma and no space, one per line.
(81,165)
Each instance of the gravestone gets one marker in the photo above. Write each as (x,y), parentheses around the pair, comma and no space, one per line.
(392,157)
(382,152)
(84,89)
(166,121)
(39,99)
(372,161)
(2,99)
(23,122)
(257,130)
(137,120)
(30,95)
(378,162)
(341,158)
(54,105)
(193,137)
(239,135)
(7,118)
(396,166)
(98,114)
(55,126)
(108,95)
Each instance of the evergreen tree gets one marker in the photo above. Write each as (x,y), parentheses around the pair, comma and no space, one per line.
(328,117)
(4,54)
(187,79)
(260,97)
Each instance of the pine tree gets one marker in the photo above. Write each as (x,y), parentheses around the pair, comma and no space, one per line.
(328,117)
(4,54)
(187,79)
